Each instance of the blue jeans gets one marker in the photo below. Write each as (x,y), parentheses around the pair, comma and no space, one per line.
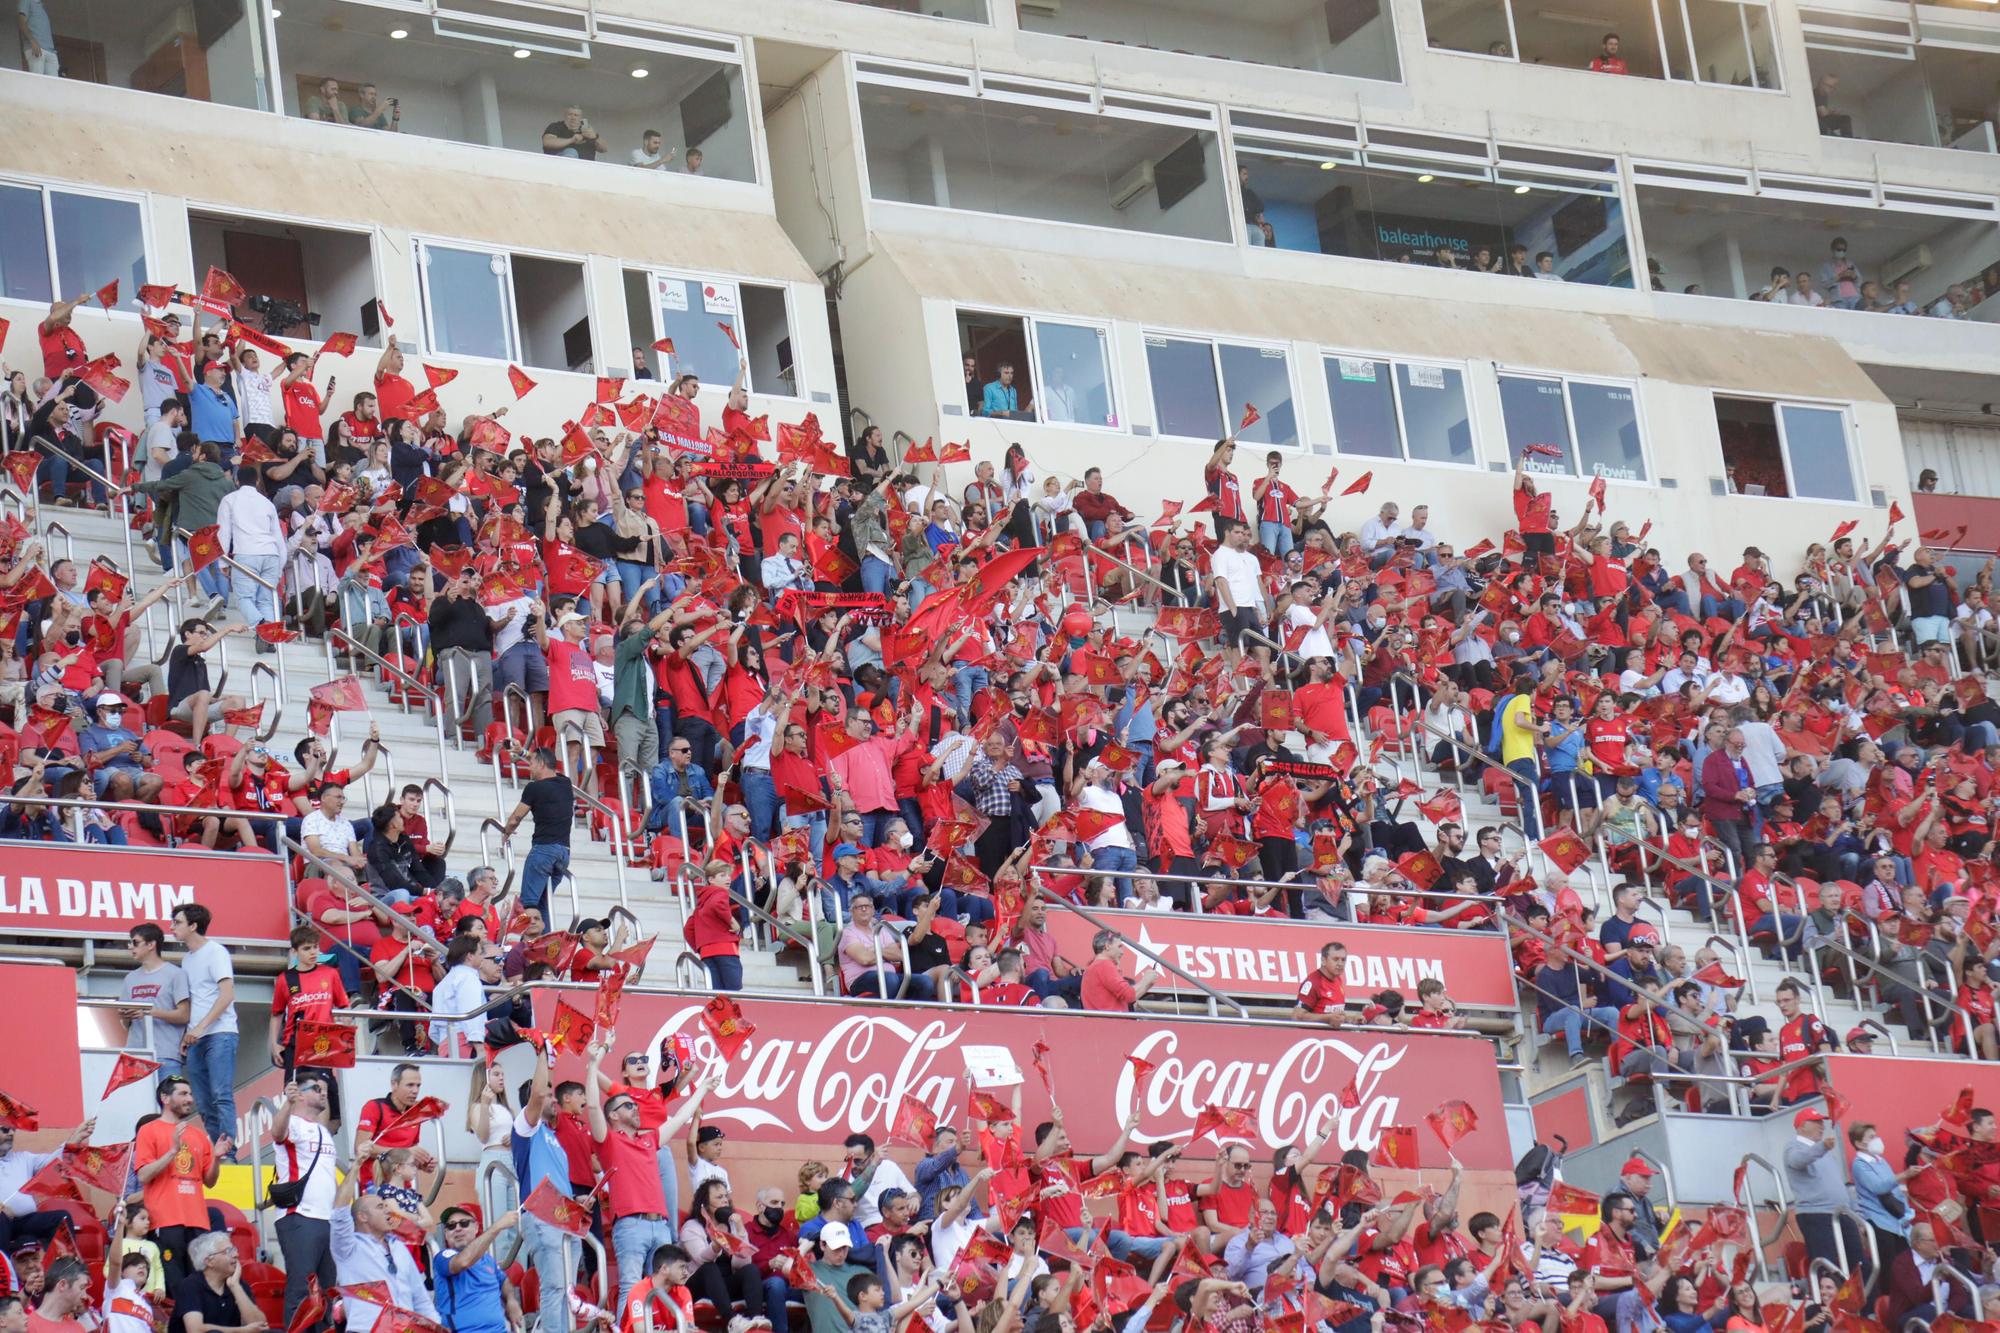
(548,864)
(760,795)
(253,601)
(1111,861)
(1529,794)
(1729,608)
(1043,983)
(920,986)
(1784,926)
(776,1293)
(211,1068)
(213,578)
(876,576)
(698,519)
(872,824)
(110,837)
(918,591)
(633,1240)
(967,681)
(54,474)
(549,1252)
(1981,735)
(725,972)
(1275,538)
(1570,1019)
(631,575)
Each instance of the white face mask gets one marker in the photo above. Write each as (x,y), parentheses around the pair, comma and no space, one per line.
(905,839)
(1512,636)
(1874,1146)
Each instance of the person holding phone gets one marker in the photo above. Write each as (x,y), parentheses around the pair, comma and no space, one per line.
(572,136)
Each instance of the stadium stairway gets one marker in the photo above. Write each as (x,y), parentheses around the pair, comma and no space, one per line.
(466,794)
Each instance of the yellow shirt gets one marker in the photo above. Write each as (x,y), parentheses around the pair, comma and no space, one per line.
(1516,740)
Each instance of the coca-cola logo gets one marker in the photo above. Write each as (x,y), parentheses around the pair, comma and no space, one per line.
(851,1080)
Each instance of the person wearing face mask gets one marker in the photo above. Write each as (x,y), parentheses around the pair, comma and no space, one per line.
(1879,1192)
(1840,277)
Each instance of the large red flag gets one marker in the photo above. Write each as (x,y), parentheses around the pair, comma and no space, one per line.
(1226,1122)
(1452,1121)
(548,1204)
(915,1126)
(723,1018)
(1398,1147)
(324,1045)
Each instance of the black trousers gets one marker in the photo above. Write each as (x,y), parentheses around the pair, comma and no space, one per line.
(722,1283)
(1817,1230)
(307,1244)
(173,1243)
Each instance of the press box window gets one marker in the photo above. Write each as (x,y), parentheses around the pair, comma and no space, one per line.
(1061,370)
(1794,450)
(1594,427)
(304,282)
(1398,409)
(694,311)
(505,307)
(1202,388)
(63,241)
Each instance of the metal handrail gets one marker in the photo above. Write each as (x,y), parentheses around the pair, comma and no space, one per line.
(185,535)
(450,812)
(1922,990)
(507,856)
(1784,1211)
(487,1209)
(1215,997)
(410,683)
(81,804)
(616,835)
(278,685)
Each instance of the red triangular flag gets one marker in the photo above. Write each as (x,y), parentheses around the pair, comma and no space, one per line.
(519,379)
(1452,1121)
(438,376)
(915,1125)
(664,345)
(1251,416)
(729,332)
(546,1203)
(324,1045)
(1360,484)
(571,1027)
(610,998)
(107,295)
(1226,1122)
(129,1069)
(723,1018)
(17,1114)
(339,344)
(1397,1147)
(311,1310)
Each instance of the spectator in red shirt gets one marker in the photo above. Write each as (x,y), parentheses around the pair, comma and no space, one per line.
(1323,995)
(1104,986)
(305,992)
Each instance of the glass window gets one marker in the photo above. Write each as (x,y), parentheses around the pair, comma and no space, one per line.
(1436,421)
(1075,374)
(1816,447)
(1532,408)
(24,246)
(1364,407)
(97,240)
(1607,431)
(465,292)
(1259,377)
(1185,401)
(691,313)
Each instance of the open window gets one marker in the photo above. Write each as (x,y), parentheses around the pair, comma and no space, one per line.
(56,240)
(1201,387)
(1796,450)
(1399,409)
(1593,424)
(1058,369)
(205,50)
(716,324)
(504,306)
(304,281)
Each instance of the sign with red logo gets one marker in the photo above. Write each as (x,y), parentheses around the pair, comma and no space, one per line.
(55,889)
(816,1071)
(1258,956)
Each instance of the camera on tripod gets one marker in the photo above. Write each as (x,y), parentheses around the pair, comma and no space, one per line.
(279,314)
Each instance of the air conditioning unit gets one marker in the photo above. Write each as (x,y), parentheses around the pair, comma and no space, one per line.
(1041,9)
(1135,183)
(1907,265)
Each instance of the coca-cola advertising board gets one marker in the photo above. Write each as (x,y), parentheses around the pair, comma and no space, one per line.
(1248,956)
(101,892)
(818,1070)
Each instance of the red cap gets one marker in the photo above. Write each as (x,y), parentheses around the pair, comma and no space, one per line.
(1857,1034)
(1807,1117)
(1642,935)
(1637,1166)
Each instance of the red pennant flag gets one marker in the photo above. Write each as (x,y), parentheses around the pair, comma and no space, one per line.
(519,379)
(1226,1122)
(99,1165)
(324,1045)
(1714,975)
(388,322)
(311,1310)
(1350,1096)
(17,1114)
(272,631)
(548,1204)
(1359,486)
(102,576)
(375,1293)
(1443,808)
(1251,416)
(915,1126)
(634,955)
(921,453)
(251,717)
(340,344)
(610,998)
(1566,849)
(1420,868)
(729,332)
(1895,513)
(1452,1121)
(1597,489)
(107,295)
(342,694)
(98,375)
(664,345)
(156,295)
(438,376)
(205,547)
(572,1029)
(1397,1147)
(21,466)
(956,453)
(985,1106)
(422,1111)
(1568,1199)
(723,1018)
(421,405)
(219,286)
(1141,1070)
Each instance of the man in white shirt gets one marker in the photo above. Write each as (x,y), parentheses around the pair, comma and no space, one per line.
(1378,535)
(252,535)
(162,438)
(871,1174)
(1111,851)
(1237,584)
(304,1151)
(472,965)
(785,572)
(328,834)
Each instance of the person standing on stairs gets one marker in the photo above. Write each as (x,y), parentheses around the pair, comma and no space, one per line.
(550,797)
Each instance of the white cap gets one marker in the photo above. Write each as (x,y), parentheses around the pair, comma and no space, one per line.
(112,698)
(566,619)
(836,1236)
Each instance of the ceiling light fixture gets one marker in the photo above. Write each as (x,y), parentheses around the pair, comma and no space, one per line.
(640,71)
(521,53)
(1425,179)
(1521,189)
(1326,166)
(398,34)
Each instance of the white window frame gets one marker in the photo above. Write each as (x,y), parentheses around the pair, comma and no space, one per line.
(1778,404)
(1403,456)
(735,285)
(1574,455)
(1230,414)
(372,234)
(512,323)
(1029,319)
(45,188)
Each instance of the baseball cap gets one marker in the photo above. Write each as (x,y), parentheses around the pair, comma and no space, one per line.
(1642,935)
(709,1134)
(568,618)
(1857,1034)
(846,849)
(1637,1166)
(1810,1115)
(111,699)
(835,1236)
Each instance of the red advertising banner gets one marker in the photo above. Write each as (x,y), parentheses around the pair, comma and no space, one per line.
(47,1075)
(58,889)
(1250,956)
(816,1071)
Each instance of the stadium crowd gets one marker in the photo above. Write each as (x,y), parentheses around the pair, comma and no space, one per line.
(878,724)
